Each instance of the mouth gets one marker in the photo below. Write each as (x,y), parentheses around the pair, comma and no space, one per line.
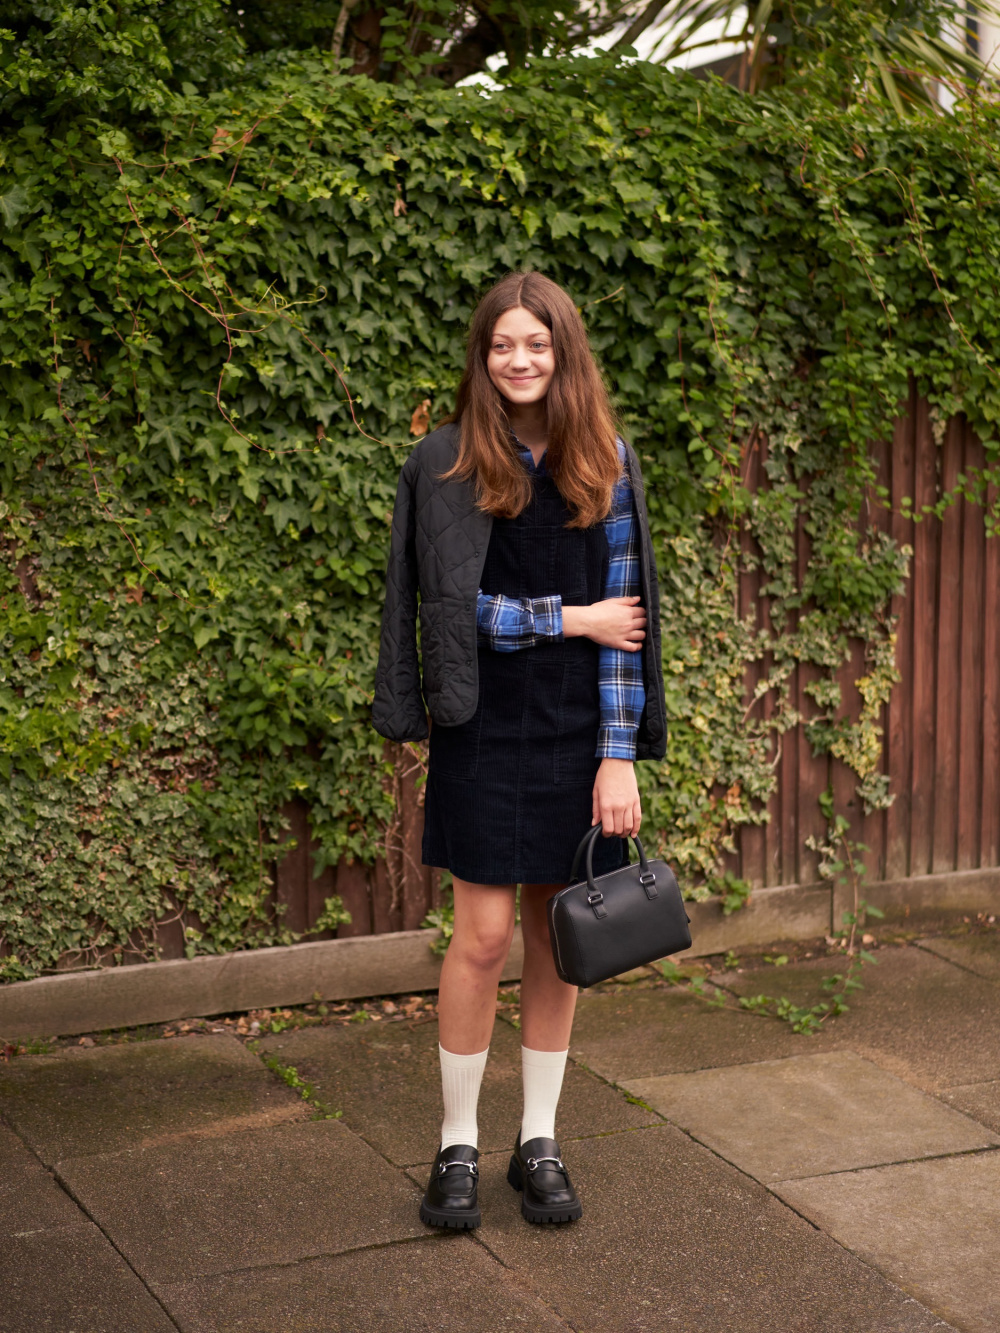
(520,380)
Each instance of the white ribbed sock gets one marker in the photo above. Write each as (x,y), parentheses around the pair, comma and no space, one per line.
(461,1076)
(542,1073)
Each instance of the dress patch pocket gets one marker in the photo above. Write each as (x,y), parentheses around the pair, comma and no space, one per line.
(454,751)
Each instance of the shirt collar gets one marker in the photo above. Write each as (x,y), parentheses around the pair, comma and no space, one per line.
(526,458)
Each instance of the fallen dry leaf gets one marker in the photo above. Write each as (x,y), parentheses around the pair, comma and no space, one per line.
(420,422)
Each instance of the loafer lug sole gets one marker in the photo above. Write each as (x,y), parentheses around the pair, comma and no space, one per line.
(444,1217)
(531,1212)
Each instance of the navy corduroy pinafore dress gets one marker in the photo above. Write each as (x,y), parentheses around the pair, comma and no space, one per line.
(509,793)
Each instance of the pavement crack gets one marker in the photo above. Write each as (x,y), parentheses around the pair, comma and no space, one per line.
(515,1281)
(303,1259)
(953,962)
(986,1151)
(64,1184)
(53,1173)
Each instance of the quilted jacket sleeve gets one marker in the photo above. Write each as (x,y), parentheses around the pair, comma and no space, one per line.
(398,711)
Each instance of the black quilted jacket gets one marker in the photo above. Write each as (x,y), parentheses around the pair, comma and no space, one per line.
(439,541)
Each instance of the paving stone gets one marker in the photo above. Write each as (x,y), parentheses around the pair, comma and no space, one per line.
(182,1210)
(918,1016)
(641,1033)
(976,953)
(979,1100)
(386,1080)
(70,1280)
(809,1114)
(447,1283)
(30,1200)
(932,1227)
(673,1240)
(106,1098)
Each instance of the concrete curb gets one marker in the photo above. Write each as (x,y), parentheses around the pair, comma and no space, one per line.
(118,997)
(255,979)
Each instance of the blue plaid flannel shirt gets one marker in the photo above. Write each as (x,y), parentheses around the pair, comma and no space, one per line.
(508,624)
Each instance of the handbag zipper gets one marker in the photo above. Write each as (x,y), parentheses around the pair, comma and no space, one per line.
(556,937)
(559,960)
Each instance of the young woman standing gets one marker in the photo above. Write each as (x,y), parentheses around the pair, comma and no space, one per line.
(522,526)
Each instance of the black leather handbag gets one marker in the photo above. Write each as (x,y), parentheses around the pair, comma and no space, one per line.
(624,919)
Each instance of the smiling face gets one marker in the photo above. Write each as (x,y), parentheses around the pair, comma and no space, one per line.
(521,360)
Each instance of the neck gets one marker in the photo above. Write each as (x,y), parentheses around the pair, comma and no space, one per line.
(529,423)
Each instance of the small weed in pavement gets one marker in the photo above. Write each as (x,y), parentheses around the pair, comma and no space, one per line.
(291,1076)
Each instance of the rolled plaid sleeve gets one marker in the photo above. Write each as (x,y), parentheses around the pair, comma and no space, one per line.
(507,624)
(620,686)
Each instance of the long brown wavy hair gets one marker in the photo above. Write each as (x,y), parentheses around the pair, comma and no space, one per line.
(582,453)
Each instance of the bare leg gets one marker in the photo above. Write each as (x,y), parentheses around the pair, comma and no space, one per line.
(547,1003)
(467,998)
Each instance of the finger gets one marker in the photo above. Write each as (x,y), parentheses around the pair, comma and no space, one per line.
(608,821)
(636,817)
(595,807)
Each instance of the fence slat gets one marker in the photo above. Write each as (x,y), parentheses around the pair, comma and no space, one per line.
(751,849)
(989,854)
(926,540)
(813,770)
(387,906)
(295,869)
(968,793)
(949,662)
(355,892)
(878,517)
(416,876)
(899,724)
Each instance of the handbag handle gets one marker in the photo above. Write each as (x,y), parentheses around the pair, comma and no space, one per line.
(587,843)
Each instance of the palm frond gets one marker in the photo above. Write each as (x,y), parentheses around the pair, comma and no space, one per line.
(907,51)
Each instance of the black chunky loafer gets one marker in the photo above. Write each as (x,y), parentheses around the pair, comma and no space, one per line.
(452,1198)
(537,1169)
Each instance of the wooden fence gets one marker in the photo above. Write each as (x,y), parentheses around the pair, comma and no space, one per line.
(942,724)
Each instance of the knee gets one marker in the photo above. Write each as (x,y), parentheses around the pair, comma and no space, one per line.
(484,948)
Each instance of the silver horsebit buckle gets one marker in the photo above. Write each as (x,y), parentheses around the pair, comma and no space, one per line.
(470,1166)
(532,1163)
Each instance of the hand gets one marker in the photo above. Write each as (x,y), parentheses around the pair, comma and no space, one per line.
(616,798)
(617,622)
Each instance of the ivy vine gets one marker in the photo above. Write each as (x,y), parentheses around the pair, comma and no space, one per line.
(227,304)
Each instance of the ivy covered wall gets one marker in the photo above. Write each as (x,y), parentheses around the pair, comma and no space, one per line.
(229,307)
